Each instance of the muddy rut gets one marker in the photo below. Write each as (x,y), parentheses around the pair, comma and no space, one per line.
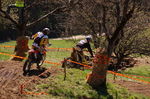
(11,77)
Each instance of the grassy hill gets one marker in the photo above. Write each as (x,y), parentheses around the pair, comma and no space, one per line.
(75,86)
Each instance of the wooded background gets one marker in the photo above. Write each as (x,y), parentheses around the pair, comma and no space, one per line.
(79,19)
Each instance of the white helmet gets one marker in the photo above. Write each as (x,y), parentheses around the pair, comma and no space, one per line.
(88,37)
(46,30)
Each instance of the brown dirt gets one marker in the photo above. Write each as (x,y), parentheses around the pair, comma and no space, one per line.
(135,87)
(11,76)
(142,61)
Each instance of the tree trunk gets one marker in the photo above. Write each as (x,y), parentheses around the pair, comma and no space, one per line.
(96,42)
(119,60)
(97,78)
(21,47)
(21,44)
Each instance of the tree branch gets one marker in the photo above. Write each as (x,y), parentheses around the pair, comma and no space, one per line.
(7,16)
(72,5)
(0,4)
(125,8)
(104,14)
(121,25)
(43,17)
(31,5)
(118,17)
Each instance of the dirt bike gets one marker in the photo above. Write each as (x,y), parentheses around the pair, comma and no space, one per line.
(79,58)
(34,56)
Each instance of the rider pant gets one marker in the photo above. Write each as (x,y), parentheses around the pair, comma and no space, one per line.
(80,56)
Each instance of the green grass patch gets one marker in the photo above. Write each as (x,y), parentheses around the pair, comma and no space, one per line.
(51,55)
(6,50)
(75,87)
(139,71)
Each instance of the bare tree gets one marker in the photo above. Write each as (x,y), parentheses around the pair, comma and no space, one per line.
(114,28)
(110,17)
(134,39)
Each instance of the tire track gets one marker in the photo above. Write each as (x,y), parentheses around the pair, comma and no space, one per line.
(10,78)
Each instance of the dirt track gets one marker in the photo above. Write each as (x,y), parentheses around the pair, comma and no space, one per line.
(11,77)
(135,87)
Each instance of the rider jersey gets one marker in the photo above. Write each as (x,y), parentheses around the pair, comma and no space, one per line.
(85,44)
(40,39)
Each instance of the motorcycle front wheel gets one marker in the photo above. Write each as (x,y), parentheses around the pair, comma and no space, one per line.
(41,61)
(26,66)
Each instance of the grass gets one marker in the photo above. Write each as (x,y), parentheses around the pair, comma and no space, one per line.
(7,50)
(139,71)
(75,86)
(51,54)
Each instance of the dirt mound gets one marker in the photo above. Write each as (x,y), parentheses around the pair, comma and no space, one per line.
(11,77)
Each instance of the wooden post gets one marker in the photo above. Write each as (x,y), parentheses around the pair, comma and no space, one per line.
(115,70)
(21,89)
(65,73)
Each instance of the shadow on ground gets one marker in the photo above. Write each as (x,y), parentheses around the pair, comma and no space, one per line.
(103,92)
(42,73)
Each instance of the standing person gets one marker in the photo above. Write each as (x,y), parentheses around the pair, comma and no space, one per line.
(82,45)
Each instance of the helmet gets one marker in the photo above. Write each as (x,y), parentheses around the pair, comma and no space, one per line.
(88,38)
(46,30)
